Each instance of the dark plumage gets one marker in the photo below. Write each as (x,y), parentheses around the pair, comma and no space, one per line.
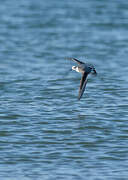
(85,69)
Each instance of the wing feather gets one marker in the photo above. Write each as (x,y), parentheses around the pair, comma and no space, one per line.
(76,60)
(83,83)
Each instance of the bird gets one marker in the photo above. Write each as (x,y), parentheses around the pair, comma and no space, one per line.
(85,69)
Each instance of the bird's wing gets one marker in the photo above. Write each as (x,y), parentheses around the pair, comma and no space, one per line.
(76,60)
(83,83)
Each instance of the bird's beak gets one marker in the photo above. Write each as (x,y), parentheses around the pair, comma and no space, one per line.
(94,72)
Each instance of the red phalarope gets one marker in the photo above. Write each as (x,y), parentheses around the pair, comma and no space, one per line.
(85,69)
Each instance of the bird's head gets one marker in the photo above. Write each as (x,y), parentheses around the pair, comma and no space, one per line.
(92,69)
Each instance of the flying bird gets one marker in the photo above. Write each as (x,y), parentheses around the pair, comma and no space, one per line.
(85,69)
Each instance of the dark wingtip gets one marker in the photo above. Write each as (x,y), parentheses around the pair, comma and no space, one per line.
(79,97)
(76,60)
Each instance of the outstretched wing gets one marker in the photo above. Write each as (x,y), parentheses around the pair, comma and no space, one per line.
(76,60)
(83,83)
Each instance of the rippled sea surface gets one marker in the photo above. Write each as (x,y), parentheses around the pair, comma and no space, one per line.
(45,132)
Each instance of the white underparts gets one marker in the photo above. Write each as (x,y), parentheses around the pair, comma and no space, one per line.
(77,69)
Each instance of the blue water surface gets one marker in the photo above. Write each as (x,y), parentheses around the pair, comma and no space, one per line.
(45,132)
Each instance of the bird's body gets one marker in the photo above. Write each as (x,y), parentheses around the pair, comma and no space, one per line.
(85,69)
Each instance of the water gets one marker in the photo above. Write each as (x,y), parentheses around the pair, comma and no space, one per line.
(45,132)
